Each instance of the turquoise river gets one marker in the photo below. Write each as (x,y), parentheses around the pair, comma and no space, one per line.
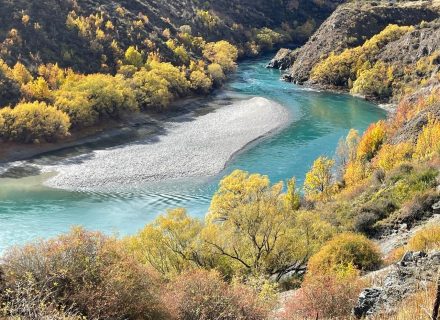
(29,211)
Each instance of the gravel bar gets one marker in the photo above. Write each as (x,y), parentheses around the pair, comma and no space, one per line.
(200,147)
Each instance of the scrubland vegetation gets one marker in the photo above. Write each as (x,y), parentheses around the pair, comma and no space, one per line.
(362,69)
(59,99)
(258,237)
(94,61)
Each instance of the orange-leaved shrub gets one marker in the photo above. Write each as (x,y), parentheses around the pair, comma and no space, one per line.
(204,295)
(325,295)
(86,272)
(371,141)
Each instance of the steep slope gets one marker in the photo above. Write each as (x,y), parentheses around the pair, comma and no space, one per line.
(350,25)
(90,35)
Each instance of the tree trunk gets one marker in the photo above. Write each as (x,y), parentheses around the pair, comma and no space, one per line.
(435,311)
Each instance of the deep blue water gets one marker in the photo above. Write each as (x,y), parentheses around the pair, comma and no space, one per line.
(29,211)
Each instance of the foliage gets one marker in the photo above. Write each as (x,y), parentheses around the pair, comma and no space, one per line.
(158,84)
(346,150)
(318,182)
(355,64)
(344,250)
(29,122)
(391,156)
(222,53)
(325,296)
(251,224)
(169,244)
(375,82)
(200,81)
(426,239)
(21,74)
(88,273)
(292,196)
(9,88)
(37,89)
(216,73)
(267,38)
(89,99)
(371,141)
(26,299)
(133,57)
(203,294)
(428,142)
(53,74)
(152,91)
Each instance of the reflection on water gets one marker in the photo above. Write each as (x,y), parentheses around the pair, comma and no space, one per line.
(29,210)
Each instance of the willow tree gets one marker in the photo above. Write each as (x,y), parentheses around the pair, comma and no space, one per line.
(255,228)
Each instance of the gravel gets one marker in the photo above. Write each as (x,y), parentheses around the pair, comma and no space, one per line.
(200,147)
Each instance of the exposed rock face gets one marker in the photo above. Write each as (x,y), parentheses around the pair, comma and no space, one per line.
(404,278)
(353,23)
(411,130)
(283,59)
(413,46)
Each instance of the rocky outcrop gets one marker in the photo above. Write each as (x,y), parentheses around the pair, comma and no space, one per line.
(283,59)
(411,130)
(353,23)
(422,42)
(402,279)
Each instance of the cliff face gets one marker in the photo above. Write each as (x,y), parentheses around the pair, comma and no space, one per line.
(353,23)
(36,32)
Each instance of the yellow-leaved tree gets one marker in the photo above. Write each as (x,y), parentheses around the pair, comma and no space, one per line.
(251,225)
(318,184)
(222,53)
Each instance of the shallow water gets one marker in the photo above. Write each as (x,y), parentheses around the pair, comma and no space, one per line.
(29,211)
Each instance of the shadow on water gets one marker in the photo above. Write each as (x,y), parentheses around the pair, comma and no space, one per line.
(29,210)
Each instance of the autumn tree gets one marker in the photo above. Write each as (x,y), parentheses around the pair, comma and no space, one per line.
(29,122)
(89,99)
(371,141)
(428,142)
(133,57)
(346,151)
(222,53)
(292,197)
(169,244)
(249,224)
(200,81)
(318,183)
(37,89)
(21,74)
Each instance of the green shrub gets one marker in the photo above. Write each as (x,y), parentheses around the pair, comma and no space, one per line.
(32,122)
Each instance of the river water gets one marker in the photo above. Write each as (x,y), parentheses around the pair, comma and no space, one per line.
(29,211)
